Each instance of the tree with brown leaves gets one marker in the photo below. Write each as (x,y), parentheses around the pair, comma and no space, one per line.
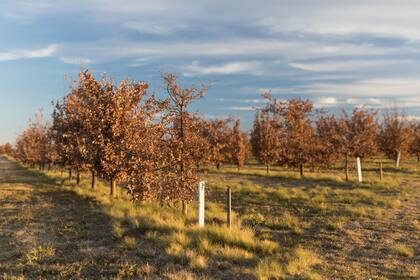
(69,133)
(7,149)
(394,136)
(267,139)
(217,132)
(414,147)
(296,123)
(117,110)
(238,145)
(145,151)
(359,134)
(184,142)
(32,144)
(328,145)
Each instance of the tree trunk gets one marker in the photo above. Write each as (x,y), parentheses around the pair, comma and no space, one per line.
(347,168)
(77,177)
(268,168)
(184,207)
(218,165)
(418,160)
(113,191)
(93,180)
(70,175)
(301,169)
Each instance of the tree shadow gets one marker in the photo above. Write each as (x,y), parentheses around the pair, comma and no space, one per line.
(83,237)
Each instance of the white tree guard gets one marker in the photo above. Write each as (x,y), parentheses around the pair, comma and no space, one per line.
(359,170)
(201,191)
(397,163)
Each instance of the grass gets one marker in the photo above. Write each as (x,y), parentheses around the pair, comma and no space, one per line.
(284,227)
(40,254)
(403,250)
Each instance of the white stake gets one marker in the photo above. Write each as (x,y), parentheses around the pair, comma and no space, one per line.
(397,163)
(201,191)
(359,169)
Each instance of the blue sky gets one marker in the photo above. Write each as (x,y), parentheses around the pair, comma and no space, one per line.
(337,53)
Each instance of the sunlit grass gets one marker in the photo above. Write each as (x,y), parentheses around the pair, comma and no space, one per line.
(403,250)
(40,254)
(273,218)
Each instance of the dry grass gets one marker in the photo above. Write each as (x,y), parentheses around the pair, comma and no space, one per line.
(403,250)
(284,228)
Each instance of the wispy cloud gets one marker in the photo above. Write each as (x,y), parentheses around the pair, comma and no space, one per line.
(76,60)
(348,18)
(239,108)
(26,53)
(373,88)
(152,28)
(347,65)
(338,102)
(327,101)
(251,100)
(249,67)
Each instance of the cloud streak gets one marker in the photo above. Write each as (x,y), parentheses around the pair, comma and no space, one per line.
(250,67)
(26,53)
(76,60)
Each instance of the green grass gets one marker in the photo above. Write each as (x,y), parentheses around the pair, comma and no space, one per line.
(284,227)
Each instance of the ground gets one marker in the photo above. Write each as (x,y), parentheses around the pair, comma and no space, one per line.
(319,227)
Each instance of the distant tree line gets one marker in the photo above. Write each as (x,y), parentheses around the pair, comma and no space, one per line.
(291,133)
(158,147)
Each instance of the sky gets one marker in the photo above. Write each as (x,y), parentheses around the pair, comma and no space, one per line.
(336,53)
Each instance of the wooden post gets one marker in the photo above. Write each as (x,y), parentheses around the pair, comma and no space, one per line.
(184,207)
(77,177)
(359,170)
(93,179)
(201,190)
(113,191)
(229,206)
(380,171)
(397,162)
(347,168)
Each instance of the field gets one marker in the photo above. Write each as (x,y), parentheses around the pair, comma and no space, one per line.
(284,227)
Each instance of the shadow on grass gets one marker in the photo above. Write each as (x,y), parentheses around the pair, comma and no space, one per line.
(83,237)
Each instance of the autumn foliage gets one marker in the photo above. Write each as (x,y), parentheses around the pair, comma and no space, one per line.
(395,135)
(158,149)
